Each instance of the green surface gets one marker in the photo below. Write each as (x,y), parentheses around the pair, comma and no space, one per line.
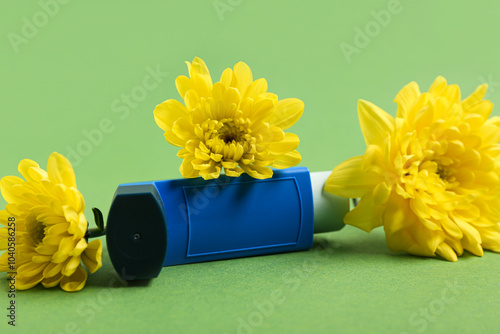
(71,75)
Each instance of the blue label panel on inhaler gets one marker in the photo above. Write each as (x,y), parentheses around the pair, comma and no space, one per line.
(232,220)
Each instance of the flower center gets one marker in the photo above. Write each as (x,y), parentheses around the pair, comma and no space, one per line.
(229,132)
(36,231)
(226,142)
(442,172)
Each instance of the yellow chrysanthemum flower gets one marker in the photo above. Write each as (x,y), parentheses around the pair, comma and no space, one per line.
(430,176)
(233,124)
(50,226)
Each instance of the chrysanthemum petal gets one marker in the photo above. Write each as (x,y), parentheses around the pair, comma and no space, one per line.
(423,118)
(451,228)
(266,134)
(268,96)
(60,170)
(472,246)
(44,249)
(414,238)
(375,160)
(71,265)
(173,139)
(482,108)
(49,219)
(78,223)
(6,184)
(4,262)
(286,160)
(201,86)
(23,194)
(469,232)
(406,98)
(211,172)
(243,75)
(200,155)
(231,96)
(256,88)
(490,135)
(381,193)
(198,67)
(257,172)
(4,217)
(226,77)
(437,86)
(92,257)
(233,172)
(419,207)
(287,113)
(41,258)
(452,94)
(65,247)
(423,101)
(15,210)
(50,282)
(79,248)
(24,167)
(37,174)
(75,282)
(349,180)
(182,83)
(456,245)
(365,215)
(4,238)
(478,95)
(191,99)
(186,169)
(375,123)
(183,129)
(58,229)
(230,164)
(395,214)
(289,143)
(74,199)
(218,90)
(446,252)
(261,110)
(30,269)
(27,282)
(491,238)
(52,269)
(166,113)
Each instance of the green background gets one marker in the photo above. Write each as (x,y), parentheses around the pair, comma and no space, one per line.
(71,73)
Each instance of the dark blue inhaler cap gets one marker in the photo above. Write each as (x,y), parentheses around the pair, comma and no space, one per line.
(136,234)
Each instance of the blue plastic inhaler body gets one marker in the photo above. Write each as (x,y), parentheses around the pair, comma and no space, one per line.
(164,223)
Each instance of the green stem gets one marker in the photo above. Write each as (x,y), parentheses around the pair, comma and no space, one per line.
(95,232)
